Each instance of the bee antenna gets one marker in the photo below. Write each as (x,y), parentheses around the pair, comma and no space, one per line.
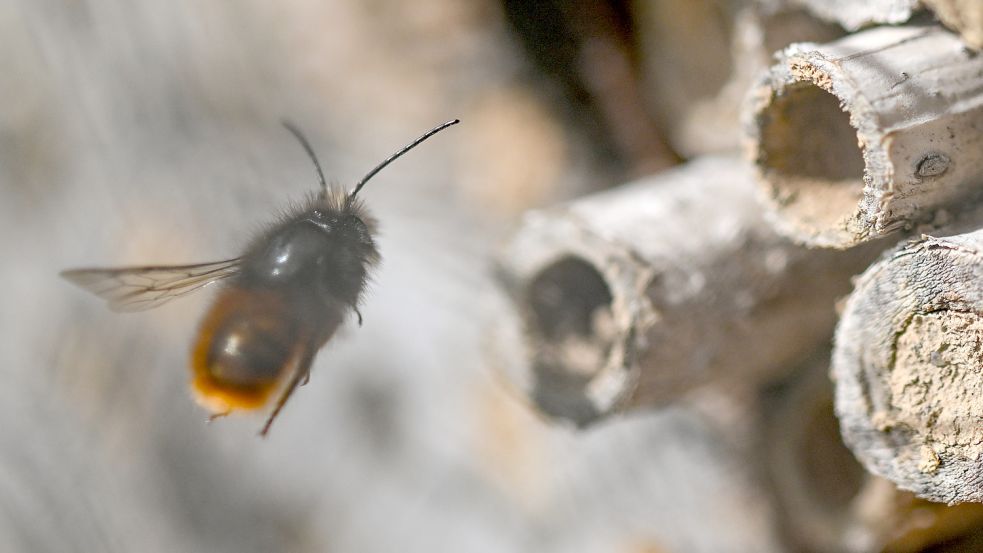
(310,152)
(395,156)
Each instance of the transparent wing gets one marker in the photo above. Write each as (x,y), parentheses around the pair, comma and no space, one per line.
(140,288)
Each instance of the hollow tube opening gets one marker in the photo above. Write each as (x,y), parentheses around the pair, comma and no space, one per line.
(570,327)
(829,470)
(811,157)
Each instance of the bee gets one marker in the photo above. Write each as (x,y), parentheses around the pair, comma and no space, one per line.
(280,302)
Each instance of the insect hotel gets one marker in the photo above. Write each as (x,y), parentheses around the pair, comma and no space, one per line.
(811,279)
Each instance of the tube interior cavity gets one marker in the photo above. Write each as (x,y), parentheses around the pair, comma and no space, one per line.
(828,467)
(811,157)
(570,328)
(816,478)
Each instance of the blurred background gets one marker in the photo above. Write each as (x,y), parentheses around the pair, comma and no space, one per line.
(138,132)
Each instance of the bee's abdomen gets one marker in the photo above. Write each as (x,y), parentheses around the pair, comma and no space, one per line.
(247,342)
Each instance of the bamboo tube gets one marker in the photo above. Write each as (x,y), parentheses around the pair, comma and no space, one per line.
(962,16)
(869,134)
(631,297)
(908,366)
(856,14)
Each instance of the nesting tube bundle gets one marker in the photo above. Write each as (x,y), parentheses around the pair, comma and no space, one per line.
(631,297)
(908,366)
(868,134)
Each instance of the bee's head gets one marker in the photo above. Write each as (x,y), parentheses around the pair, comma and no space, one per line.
(333,239)
(348,226)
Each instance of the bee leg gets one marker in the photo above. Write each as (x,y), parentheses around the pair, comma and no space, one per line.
(307,377)
(215,416)
(359,314)
(303,368)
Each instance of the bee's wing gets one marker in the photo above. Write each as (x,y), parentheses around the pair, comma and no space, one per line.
(140,288)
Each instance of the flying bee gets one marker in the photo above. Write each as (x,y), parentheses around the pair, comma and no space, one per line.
(280,302)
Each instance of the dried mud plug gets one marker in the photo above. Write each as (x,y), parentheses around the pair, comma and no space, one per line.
(908,366)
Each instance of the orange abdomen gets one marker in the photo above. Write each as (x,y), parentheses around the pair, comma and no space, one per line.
(247,342)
